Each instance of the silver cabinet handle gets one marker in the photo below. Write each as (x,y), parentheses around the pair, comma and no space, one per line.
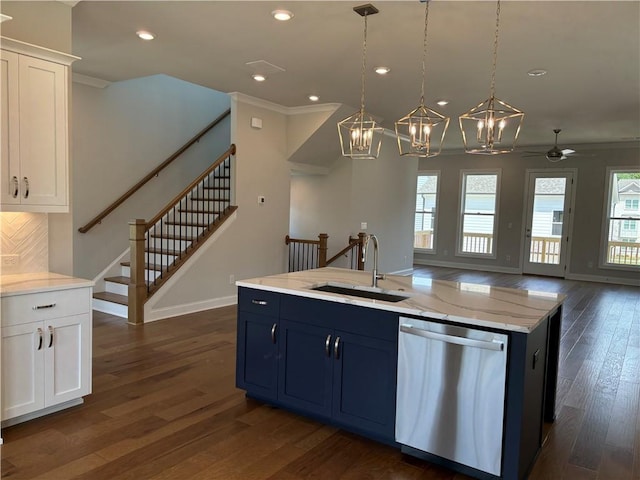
(259,302)
(40,340)
(26,187)
(336,348)
(16,186)
(50,336)
(42,307)
(273,333)
(327,346)
(467,342)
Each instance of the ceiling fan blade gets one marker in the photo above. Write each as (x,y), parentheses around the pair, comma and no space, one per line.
(568,151)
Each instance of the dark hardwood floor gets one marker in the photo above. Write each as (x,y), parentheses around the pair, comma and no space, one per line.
(164,405)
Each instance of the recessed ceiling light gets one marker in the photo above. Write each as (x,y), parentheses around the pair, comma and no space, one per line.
(314,98)
(144,35)
(282,15)
(259,78)
(537,72)
(382,70)
(442,103)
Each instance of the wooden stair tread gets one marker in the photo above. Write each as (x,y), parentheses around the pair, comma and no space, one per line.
(120,279)
(216,188)
(200,211)
(111,297)
(197,224)
(163,251)
(202,199)
(174,237)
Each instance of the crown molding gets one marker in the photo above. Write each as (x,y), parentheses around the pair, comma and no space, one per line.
(90,81)
(304,109)
(35,51)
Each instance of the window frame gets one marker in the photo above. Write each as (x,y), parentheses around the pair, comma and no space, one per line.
(434,215)
(461,206)
(607,217)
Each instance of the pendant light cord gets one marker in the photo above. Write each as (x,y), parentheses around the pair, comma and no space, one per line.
(364,63)
(424,50)
(495,53)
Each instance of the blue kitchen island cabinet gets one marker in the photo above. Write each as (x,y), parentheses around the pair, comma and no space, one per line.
(334,357)
(336,363)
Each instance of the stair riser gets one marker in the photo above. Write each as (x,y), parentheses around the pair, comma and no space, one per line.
(150,274)
(168,244)
(119,288)
(162,260)
(111,308)
(178,230)
(199,217)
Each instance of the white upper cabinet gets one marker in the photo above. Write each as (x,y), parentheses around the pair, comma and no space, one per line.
(35,130)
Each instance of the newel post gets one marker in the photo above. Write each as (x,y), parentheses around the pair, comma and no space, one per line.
(137,284)
(322,250)
(362,237)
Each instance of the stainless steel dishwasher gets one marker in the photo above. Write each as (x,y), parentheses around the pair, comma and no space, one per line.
(451,390)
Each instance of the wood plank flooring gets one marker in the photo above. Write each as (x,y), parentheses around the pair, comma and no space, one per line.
(164,405)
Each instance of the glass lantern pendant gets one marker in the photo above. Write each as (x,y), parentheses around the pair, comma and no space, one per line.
(360,135)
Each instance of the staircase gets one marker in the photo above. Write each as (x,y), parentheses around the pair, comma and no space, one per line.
(174,235)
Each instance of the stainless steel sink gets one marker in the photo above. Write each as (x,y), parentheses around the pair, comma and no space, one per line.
(363,292)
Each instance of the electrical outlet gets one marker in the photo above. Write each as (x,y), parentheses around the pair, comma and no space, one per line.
(261,200)
(10,260)
(363,225)
(232,279)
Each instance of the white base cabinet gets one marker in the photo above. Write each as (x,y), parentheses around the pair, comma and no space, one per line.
(46,350)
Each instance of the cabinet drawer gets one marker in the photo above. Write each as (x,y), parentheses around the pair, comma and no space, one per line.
(33,307)
(259,301)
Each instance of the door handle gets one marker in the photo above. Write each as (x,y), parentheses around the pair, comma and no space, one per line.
(327,346)
(528,234)
(50,336)
(40,339)
(273,333)
(16,186)
(465,342)
(336,348)
(26,187)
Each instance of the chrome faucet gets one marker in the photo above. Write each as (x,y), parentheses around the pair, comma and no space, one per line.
(374,273)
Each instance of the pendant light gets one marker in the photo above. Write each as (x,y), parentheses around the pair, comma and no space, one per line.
(492,127)
(360,135)
(421,132)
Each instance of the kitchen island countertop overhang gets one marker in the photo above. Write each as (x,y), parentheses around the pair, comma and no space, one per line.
(465,303)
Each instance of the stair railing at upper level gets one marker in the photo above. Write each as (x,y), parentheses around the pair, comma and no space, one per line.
(163,243)
(120,200)
(307,254)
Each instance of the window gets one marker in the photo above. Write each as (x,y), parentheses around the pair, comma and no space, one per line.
(621,239)
(556,223)
(477,229)
(426,205)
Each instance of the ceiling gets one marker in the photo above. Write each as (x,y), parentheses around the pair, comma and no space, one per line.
(591,50)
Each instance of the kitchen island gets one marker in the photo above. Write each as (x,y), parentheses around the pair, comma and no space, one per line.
(334,357)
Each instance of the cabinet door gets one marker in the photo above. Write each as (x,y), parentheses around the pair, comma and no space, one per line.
(256,359)
(9,124)
(67,358)
(43,132)
(22,369)
(364,387)
(305,369)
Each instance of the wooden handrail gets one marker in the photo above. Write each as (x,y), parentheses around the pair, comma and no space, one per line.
(230,151)
(98,218)
(353,242)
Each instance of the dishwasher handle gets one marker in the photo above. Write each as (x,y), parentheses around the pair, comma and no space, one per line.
(467,342)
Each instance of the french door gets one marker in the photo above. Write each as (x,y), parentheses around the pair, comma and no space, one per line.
(549,197)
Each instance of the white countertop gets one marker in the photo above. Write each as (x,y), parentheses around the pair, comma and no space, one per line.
(22,283)
(467,303)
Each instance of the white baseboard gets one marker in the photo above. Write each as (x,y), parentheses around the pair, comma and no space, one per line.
(405,273)
(115,309)
(467,266)
(184,309)
(603,279)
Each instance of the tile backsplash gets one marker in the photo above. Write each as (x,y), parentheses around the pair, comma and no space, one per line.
(24,242)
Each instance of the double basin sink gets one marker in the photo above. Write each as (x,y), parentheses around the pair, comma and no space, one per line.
(373,293)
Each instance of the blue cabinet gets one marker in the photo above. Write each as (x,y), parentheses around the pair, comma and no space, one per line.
(332,361)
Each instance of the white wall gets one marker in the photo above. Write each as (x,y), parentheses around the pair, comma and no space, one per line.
(122,132)
(379,192)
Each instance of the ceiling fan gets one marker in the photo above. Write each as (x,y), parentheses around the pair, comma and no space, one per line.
(556,154)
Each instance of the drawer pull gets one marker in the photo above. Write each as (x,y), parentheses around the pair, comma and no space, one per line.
(50,336)
(259,302)
(42,307)
(40,339)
